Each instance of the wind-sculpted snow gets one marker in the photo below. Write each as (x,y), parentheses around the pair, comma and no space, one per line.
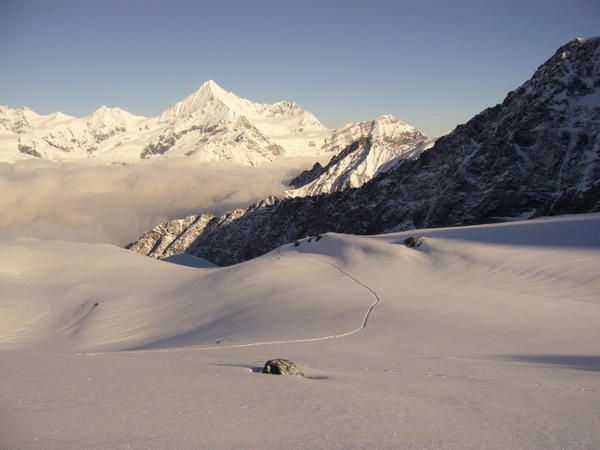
(536,154)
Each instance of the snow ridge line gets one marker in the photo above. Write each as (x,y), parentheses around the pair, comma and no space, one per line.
(362,326)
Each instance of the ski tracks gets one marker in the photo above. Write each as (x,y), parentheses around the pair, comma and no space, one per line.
(363,324)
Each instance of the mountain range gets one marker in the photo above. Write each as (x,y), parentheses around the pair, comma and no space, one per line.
(535,154)
(211,124)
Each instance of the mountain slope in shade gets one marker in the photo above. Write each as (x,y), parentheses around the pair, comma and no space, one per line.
(307,176)
(369,149)
(536,154)
(210,124)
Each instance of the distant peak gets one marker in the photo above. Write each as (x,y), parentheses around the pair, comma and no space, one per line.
(107,113)
(390,119)
(24,110)
(107,110)
(206,95)
(211,86)
(211,83)
(387,118)
(27,112)
(571,48)
(209,90)
(585,40)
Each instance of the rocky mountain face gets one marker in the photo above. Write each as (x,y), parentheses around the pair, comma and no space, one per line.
(210,124)
(307,176)
(371,148)
(537,153)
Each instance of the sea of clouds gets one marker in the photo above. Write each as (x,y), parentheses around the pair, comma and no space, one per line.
(116,203)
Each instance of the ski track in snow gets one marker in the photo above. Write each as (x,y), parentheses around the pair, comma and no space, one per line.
(362,326)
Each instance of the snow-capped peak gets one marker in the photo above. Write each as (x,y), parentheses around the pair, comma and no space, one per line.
(388,125)
(22,119)
(363,150)
(107,109)
(209,99)
(114,114)
(213,87)
(210,90)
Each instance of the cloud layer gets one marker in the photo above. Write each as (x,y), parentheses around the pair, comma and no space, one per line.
(115,203)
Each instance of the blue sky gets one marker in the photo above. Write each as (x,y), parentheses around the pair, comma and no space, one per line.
(433,64)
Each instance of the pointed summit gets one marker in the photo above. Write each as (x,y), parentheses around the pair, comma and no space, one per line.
(209,97)
(211,86)
(210,89)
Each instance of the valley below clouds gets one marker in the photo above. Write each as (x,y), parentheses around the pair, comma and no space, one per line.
(116,203)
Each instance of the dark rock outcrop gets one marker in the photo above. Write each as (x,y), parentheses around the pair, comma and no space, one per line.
(307,176)
(413,241)
(281,367)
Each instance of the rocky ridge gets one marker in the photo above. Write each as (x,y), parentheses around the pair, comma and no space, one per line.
(372,148)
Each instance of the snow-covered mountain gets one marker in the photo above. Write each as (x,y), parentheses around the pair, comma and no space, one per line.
(210,124)
(363,150)
(61,137)
(535,154)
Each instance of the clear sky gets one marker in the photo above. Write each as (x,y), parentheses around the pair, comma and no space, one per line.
(433,64)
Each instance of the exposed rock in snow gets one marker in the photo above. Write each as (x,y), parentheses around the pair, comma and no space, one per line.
(171,238)
(413,241)
(281,367)
(536,154)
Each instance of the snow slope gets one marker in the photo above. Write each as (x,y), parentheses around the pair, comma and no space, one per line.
(483,337)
